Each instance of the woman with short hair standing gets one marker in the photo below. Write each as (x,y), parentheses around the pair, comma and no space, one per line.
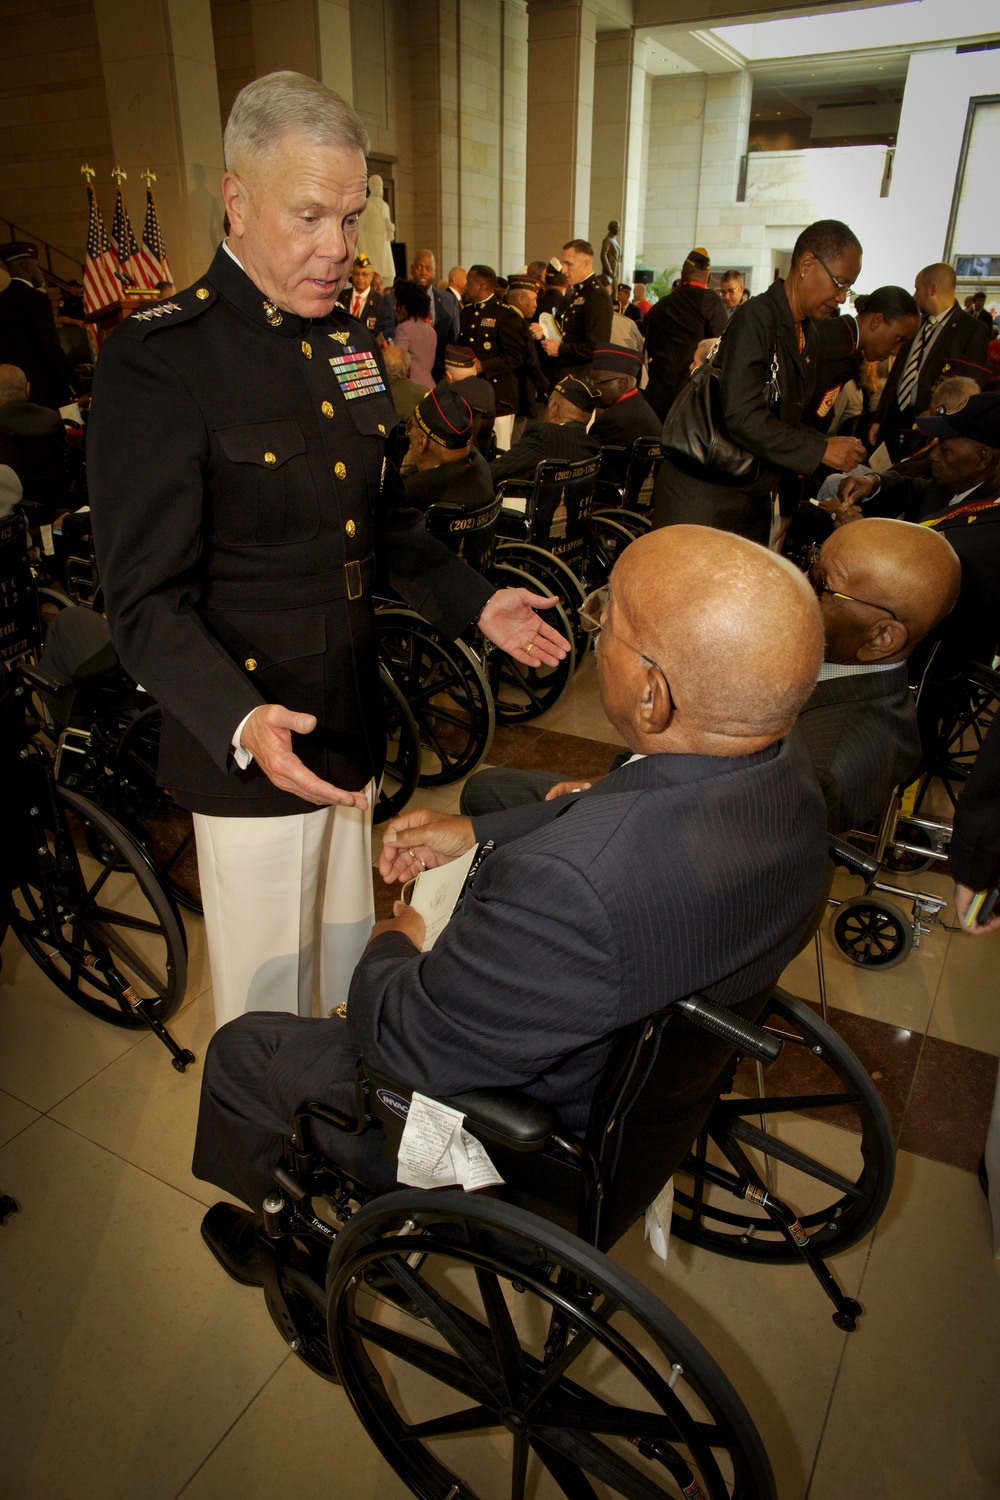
(768,359)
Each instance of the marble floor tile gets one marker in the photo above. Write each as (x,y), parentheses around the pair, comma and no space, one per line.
(914,1413)
(126,1353)
(143,1110)
(965,1006)
(948,1112)
(50,1045)
(14,1117)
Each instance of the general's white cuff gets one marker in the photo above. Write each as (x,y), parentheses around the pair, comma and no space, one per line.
(243,758)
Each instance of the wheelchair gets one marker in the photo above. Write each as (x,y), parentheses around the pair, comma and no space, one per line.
(450,1316)
(628,506)
(870,930)
(544,530)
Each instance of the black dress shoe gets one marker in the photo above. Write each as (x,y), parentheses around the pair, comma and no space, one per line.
(231,1234)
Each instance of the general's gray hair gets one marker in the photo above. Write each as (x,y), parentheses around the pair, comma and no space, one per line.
(277,104)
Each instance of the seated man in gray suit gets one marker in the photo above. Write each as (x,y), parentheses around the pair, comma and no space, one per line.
(882,585)
(697,866)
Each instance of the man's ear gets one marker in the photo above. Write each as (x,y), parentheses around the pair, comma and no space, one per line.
(654,706)
(234,196)
(885,639)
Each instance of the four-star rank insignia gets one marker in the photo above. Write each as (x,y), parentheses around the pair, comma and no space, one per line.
(159,311)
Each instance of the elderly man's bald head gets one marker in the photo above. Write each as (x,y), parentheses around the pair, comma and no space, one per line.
(885,566)
(734,629)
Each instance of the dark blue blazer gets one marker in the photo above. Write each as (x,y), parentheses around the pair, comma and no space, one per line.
(674,873)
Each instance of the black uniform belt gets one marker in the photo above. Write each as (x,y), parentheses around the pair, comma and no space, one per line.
(349,582)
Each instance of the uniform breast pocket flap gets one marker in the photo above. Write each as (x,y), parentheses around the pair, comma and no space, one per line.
(263,493)
(374,416)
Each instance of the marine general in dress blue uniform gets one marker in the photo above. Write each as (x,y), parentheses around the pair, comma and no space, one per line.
(242,499)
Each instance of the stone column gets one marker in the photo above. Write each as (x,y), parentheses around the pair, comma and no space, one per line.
(308,36)
(617,149)
(561,45)
(514,139)
(163,105)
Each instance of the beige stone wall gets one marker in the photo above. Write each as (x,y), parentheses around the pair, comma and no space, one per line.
(53,118)
(232,31)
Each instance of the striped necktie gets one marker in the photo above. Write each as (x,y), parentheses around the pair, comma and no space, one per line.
(906,389)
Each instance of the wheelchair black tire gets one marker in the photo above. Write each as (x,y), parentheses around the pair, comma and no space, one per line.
(523,693)
(608,540)
(555,576)
(445,687)
(401,772)
(88,929)
(164,829)
(481,1359)
(871,932)
(850,1214)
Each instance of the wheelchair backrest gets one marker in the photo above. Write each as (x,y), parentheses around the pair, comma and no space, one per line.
(470,531)
(20,625)
(559,506)
(643,466)
(657,1091)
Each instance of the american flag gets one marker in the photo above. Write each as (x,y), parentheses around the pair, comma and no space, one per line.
(100,284)
(123,241)
(152,251)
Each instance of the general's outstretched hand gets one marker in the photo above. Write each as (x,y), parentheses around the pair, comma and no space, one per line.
(267,734)
(510,622)
(422,840)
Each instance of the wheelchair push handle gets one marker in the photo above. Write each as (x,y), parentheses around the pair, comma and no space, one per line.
(35,677)
(852,858)
(750,1039)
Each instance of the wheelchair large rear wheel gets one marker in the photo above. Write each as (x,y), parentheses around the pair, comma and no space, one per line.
(524,693)
(504,1358)
(826,1148)
(165,830)
(555,577)
(446,690)
(401,772)
(97,927)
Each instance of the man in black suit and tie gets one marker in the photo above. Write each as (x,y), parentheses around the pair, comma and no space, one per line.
(363,302)
(33,444)
(945,334)
(444,312)
(697,866)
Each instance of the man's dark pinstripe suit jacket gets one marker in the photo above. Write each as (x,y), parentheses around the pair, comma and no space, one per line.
(675,873)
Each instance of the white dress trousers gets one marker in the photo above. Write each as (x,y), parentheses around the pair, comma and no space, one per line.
(277,892)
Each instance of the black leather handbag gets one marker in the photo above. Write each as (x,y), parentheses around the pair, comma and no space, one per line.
(694,433)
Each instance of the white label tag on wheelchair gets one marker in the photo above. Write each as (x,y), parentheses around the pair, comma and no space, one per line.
(658,1216)
(48,545)
(436,1152)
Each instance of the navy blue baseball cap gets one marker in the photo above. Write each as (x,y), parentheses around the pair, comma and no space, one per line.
(977,418)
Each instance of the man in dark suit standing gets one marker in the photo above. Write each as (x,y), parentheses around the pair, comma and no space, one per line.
(945,334)
(28,337)
(372,308)
(676,326)
(33,444)
(444,312)
(697,866)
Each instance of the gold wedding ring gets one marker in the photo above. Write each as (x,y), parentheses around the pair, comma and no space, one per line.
(530,648)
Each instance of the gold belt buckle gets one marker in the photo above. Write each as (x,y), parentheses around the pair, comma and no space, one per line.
(355,583)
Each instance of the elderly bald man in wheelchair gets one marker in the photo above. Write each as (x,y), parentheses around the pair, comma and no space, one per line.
(696,866)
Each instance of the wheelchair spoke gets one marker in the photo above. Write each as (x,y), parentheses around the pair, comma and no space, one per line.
(105,914)
(469,1338)
(602,1462)
(787,1104)
(519,1466)
(557,1369)
(472,1419)
(126,954)
(509,1353)
(779,1150)
(592,1415)
(570,1478)
(436,1363)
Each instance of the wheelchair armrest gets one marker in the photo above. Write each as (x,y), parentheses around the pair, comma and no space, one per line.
(35,677)
(504,1116)
(853,859)
(507,1117)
